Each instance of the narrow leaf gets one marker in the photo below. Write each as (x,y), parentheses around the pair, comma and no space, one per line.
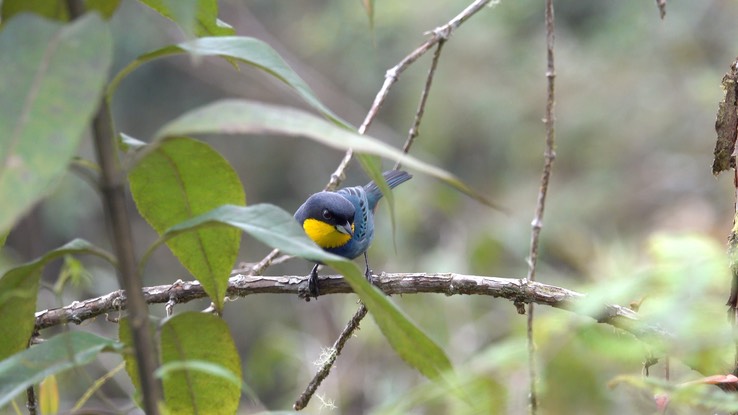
(247,117)
(278,229)
(180,180)
(244,49)
(48,396)
(53,356)
(58,73)
(18,290)
(195,338)
(408,340)
(195,17)
(267,223)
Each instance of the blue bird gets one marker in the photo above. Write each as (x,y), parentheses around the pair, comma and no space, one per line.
(342,222)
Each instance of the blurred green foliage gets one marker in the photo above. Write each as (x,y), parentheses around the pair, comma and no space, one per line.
(633,214)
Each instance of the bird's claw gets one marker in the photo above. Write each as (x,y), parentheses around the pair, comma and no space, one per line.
(369,275)
(313,290)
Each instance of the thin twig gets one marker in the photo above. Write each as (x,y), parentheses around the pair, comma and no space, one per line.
(392,75)
(262,265)
(549,157)
(415,129)
(661,4)
(326,366)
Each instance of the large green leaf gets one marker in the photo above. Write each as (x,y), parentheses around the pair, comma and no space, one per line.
(181,179)
(199,337)
(248,117)
(53,76)
(245,49)
(18,291)
(267,223)
(195,17)
(278,229)
(55,355)
(50,9)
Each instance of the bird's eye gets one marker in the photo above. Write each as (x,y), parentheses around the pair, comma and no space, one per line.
(327,214)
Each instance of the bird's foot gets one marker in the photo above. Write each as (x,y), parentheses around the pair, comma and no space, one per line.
(369,275)
(312,288)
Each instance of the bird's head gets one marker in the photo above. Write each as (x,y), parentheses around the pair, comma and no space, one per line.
(329,219)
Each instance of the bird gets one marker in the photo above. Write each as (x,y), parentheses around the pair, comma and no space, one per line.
(342,222)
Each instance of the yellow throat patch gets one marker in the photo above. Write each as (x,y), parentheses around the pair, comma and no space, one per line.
(325,235)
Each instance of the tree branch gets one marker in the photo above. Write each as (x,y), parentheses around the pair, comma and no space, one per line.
(513,289)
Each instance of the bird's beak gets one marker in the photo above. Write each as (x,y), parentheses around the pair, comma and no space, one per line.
(345,229)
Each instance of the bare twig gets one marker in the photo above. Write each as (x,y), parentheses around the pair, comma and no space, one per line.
(31,403)
(549,157)
(327,364)
(661,4)
(415,129)
(441,33)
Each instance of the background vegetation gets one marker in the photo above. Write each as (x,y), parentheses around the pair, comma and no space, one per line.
(634,213)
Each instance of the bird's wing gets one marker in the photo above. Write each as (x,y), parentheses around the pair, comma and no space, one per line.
(357,196)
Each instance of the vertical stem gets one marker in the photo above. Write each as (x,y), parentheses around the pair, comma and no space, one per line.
(128,276)
(537,224)
(31,404)
(116,215)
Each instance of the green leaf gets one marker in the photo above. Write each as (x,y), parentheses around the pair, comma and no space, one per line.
(171,369)
(181,179)
(278,229)
(248,117)
(372,165)
(194,337)
(62,352)
(106,8)
(408,340)
(48,396)
(125,336)
(57,72)
(18,290)
(245,49)
(128,143)
(267,223)
(195,17)
(50,9)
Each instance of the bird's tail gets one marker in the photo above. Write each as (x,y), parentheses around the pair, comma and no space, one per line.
(393,178)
